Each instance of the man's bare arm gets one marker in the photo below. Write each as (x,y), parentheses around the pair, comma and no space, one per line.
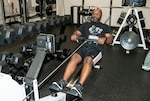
(75,35)
(109,38)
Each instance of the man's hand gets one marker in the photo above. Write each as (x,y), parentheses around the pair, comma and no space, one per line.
(75,35)
(109,38)
(102,40)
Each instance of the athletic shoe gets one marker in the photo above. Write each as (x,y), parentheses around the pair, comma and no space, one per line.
(58,86)
(76,90)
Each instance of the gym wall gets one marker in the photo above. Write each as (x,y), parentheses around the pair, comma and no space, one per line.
(8,9)
(104,5)
(63,7)
(117,11)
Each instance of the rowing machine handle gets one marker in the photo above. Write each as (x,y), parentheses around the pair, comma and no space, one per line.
(79,39)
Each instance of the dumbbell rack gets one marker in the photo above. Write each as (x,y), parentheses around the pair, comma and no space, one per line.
(139,26)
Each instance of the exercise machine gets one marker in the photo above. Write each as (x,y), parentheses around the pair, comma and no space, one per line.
(28,89)
(131,10)
(146,65)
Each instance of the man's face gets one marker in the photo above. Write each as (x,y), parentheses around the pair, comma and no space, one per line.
(96,15)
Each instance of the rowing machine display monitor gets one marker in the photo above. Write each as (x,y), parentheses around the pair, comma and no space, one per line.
(137,3)
(47,42)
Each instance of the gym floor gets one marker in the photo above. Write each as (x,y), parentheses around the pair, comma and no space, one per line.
(120,79)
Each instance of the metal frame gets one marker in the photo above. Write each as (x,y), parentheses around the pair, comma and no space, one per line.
(3,12)
(24,16)
(146,65)
(139,26)
(32,74)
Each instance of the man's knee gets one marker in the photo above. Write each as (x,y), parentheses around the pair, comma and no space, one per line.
(88,60)
(76,58)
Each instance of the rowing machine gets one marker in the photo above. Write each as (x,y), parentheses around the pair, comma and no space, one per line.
(28,90)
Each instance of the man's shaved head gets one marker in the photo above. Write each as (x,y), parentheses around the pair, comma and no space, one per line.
(96,14)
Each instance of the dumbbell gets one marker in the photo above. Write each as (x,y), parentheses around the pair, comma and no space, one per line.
(57,20)
(2,39)
(62,54)
(9,34)
(62,38)
(28,50)
(57,43)
(4,55)
(20,31)
(51,22)
(4,67)
(68,19)
(62,19)
(16,60)
(45,24)
(66,52)
(39,26)
(59,40)
(31,28)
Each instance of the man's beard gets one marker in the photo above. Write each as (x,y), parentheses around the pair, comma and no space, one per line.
(95,20)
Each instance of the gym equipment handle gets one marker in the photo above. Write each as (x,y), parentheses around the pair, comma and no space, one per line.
(79,39)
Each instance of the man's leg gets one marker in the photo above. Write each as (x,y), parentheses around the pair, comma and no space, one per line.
(88,65)
(86,70)
(72,65)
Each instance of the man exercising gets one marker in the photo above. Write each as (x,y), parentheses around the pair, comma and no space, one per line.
(90,53)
